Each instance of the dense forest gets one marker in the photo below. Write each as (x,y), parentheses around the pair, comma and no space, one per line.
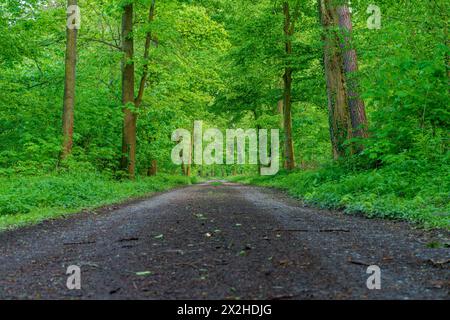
(92,90)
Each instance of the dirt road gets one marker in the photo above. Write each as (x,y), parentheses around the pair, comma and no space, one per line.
(222,241)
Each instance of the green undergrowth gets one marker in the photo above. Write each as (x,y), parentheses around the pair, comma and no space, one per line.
(412,190)
(31,199)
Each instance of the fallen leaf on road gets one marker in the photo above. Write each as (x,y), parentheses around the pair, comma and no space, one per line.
(200,216)
(242,253)
(284,263)
(143,273)
(439,263)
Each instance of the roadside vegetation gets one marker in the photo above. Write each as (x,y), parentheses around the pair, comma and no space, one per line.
(31,199)
(414,191)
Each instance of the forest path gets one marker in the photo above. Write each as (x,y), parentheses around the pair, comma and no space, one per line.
(211,241)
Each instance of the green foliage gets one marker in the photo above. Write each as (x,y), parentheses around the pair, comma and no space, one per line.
(25,199)
(222,62)
(411,190)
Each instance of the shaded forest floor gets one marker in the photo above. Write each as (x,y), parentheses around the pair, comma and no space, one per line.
(222,240)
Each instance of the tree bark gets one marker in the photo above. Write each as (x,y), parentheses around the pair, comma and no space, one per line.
(356,104)
(69,87)
(153,169)
(287,94)
(338,111)
(280,111)
(183,165)
(129,124)
(128,161)
(148,40)
(191,147)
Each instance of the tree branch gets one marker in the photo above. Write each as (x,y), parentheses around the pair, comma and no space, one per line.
(103,42)
(295,17)
(148,40)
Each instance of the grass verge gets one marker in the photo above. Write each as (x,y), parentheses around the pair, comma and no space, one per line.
(28,200)
(411,191)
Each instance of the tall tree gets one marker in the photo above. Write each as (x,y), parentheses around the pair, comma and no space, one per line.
(131,103)
(70,77)
(338,111)
(149,38)
(356,104)
(129,123)
(289,27)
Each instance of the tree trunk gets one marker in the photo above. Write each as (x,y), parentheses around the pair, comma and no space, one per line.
(153,169)
(183,165)
(148,39)
(338,111)
(287,95)
(258,127)
(188,170)
(128,100)
(280,111)
(189,164)
(69,86)
(356,104)
(129,125)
